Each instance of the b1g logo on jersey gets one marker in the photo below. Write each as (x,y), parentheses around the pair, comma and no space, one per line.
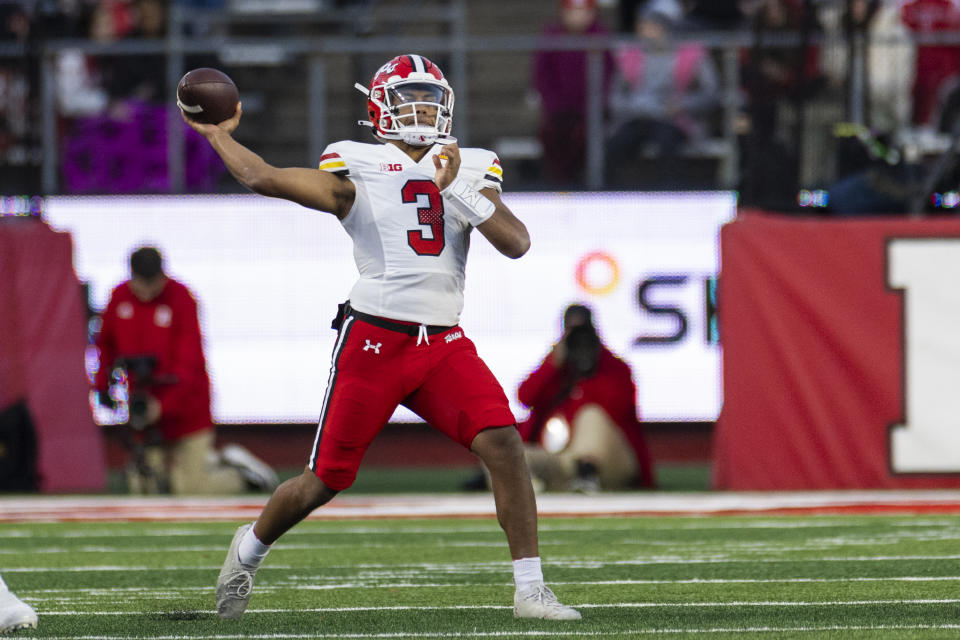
(386,167)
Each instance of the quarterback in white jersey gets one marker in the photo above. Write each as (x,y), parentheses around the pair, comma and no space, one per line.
(409,205)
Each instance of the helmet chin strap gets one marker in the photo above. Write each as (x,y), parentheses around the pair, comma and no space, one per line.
(417,142)
(417,139)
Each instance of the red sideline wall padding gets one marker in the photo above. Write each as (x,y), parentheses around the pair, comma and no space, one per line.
(826,327)
(42,342)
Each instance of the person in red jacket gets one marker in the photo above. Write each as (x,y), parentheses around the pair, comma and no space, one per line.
(151,329)
(582,431)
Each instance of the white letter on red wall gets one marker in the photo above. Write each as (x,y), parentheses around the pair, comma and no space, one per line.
(928,272)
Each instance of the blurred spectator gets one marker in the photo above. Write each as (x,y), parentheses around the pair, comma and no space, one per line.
(560,80)
(151,328)
(869,63)
(663,96)
(66,18)
(14,81)
(14,22)
(87,85)
(889,56)
(715,14)
(583,431)
(875,190)
(935,63)
(203,4)
(115,138)
(80,90)
(142,77)
(627,14)
(677,10)
(773,71)
(697,14)
(777,77)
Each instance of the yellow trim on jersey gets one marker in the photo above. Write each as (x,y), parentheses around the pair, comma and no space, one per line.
(332,164)
(495,170)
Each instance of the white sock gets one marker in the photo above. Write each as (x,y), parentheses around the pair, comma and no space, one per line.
(251,550)
(527,571)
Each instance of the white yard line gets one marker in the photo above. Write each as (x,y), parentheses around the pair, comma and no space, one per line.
(687,547)
(622,605)
(112,508)
(575,563)
(272,588)
(218,548)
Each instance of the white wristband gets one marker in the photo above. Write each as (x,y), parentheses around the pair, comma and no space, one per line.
(468,201)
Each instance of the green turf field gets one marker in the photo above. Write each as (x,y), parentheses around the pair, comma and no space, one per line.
(699,577)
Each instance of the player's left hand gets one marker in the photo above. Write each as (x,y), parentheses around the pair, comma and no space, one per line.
(447,164)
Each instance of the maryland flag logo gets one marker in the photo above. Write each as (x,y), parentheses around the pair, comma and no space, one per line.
(333,163)
(495,171)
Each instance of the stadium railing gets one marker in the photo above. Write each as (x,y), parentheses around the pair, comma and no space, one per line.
(195,32)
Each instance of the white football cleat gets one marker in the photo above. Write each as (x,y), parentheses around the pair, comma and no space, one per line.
(15,614)
(538,601)
(236,581)
(254,470)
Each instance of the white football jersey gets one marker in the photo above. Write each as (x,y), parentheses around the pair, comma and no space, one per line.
(410,249)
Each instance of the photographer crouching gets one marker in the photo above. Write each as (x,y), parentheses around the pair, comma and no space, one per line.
(150,337)
(583,433)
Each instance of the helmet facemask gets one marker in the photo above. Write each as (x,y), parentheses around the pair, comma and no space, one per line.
(418,111)
(419,108)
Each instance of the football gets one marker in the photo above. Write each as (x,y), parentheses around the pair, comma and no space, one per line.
(207,95)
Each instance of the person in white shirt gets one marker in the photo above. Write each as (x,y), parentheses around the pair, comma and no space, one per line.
(409,205)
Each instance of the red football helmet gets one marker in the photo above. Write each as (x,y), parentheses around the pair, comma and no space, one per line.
(404,95)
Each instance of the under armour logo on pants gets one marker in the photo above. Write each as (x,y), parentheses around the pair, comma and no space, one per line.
(375,347)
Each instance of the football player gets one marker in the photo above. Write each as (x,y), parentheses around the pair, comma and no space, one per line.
(409,205)
(14,613)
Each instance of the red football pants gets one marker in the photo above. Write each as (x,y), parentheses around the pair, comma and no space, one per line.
(375,369)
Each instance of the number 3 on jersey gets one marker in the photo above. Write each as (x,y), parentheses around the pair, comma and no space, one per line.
(430,215)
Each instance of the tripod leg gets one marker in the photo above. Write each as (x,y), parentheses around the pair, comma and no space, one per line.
(146,473)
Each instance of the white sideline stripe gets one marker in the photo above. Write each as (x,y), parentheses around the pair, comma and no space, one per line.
(540,634)
(622,605)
